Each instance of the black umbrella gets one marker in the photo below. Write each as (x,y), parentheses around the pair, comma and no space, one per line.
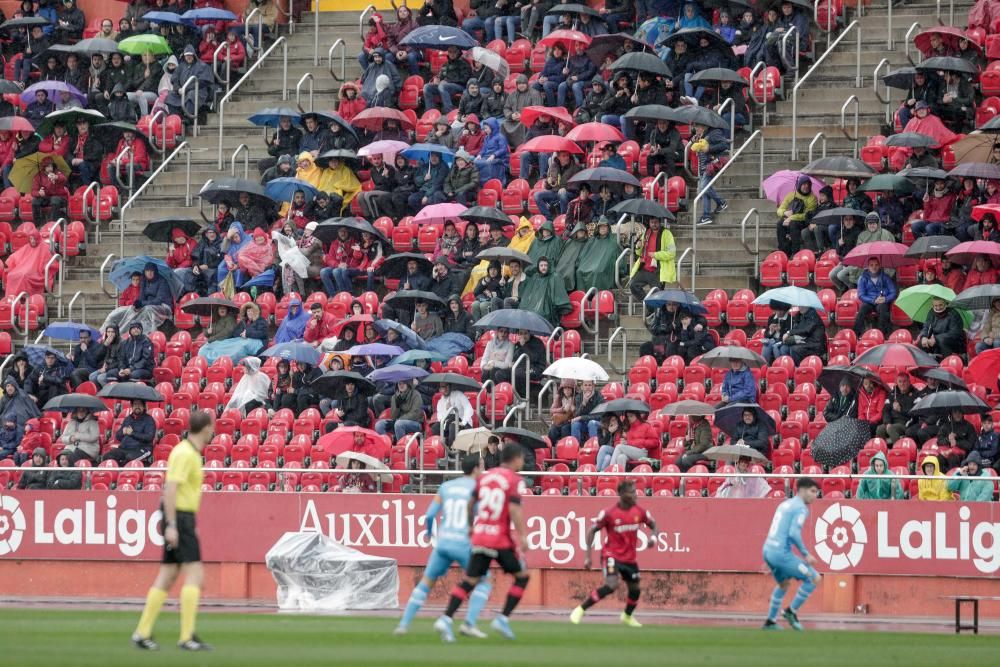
(801,4)
(521,436)
(838,213)
(92,45)
(9,88)
(729,418)
(899,185)
(457,381)
(329,118)
(911,140)
(228,190)
(24,22)
(639,61)
(944,377)
(931,246)
(924,173)
(574,9)
(621,405)
(515,319)
(207,305)
(111,133)
(336,154)
(604,176)
(943,402)
(947,64)
(407,299)
(980,297)
(895,355)
(327,230)
(486,215)
(333,384)
(838,166)
(605,45)
(505,254)
(990,172)
(130,391)
(643,207)
(653,112)
(840,441)
(717,74)
(831,377)
(70,402)
(162,229)
(395,266)
(695,115)
(901,78)
(693,37)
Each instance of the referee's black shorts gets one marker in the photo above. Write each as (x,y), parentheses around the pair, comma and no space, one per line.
(188,550)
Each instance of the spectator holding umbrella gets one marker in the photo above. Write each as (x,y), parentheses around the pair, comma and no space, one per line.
(739,486)
(697,441)
(135,436)
(944,331)
(778,324)
(878,489)
(48,380)
(956,437)
(896,412)
(610,435)
(876,291)
(81,437)
(795,209)
(454,413)
(870,399)
(844,404)
(749,430)
(498,357)
(638,442)
(807,336)
(938,205)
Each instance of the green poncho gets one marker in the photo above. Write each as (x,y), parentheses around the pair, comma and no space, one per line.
(551,247)
(878,489)
(545,295)
(570,256)
(596,267)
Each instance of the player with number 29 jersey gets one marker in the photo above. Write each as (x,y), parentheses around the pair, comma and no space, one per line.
(495,490)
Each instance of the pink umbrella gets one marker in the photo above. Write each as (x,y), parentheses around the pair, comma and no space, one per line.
(890,255)
(780,183)
(386,147)
(595,132)
(438,214)
(966,253)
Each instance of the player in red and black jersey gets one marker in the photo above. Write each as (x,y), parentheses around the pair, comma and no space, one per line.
(621,525)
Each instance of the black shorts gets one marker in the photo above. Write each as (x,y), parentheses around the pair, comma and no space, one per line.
(188,550)
(627,571)
(482,557)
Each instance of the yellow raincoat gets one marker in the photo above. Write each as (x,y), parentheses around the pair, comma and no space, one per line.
(521,243)
(934,489)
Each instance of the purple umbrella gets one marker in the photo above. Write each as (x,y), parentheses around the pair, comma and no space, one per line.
(397,373)
(51,88)
(780,183)
(375,350)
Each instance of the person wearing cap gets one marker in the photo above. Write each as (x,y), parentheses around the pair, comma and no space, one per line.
(496,98)
(429,180)
(444,280)
(778,324)
(449,81)
(923,89)
(11,433)
(284,143)
(134,361)
(925,121)
(48,380)
(896,412)
(462,182)
(283,168)
(610,158)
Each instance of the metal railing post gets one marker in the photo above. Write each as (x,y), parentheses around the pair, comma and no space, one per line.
(756,235)
(888,33)
(784,48)
(732,121)
(523,359)
(364,17)
(623,333)
(888,91)
(255,14)
(541,393)
(853,99)
(419,437)
(756,72)
(58,280)
(550,340)
(283,43)
(184,146)
(298,91)
(809,154)
(104,268)
(517,410)
(194,106)
(21,296)
(915,27)
(342,45)
(245,150)
(491,386)
(680,265)
(229,63)
(83,306)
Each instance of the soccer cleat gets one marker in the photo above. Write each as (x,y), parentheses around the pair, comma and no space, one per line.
(194,644)
(792,618)
(502,625)
(576,615)
(472,631)
(145,643)
(770,625)
(629,620)
(443,626)
(400,630)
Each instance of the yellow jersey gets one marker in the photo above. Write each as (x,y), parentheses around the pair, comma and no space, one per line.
(184,468)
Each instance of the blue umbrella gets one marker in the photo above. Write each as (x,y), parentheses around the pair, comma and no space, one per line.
(284,188)
(375,350)
(397,373)
(36,355)
(686,300)
(70,331)
(51,88)
(730,417)
(265,279)
(451,343)
(439,37)
(412,340)
(301,352)
(122,270)
(423,152)
(163,17)
(269,116)
(208,14)
(793,296)
(413,356)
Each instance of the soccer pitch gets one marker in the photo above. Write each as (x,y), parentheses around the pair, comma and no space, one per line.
(42,637)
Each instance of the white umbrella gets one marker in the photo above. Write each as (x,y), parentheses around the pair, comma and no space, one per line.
(491,60)
(371,464)
(472,440)
(575,368)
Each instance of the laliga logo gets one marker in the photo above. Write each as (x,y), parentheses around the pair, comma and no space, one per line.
(840,537)
(11,525)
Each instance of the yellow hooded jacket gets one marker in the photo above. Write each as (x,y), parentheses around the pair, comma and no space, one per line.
(934,489)
(340,181)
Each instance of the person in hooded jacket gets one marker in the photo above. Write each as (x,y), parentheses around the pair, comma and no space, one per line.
(384,95)
(971,482)
(285,141)
(521,97)
(429,180)
(878,489)
(134,361)
(795,210)
(933,489)
(35,480)
(494,101)
(494,154)
(48,189)
(552,74)
(738,384)
(379,65)
(956,437)
(189,66)
(66,479)
(807,336)
(205,259)
(350,104)
(375,38)
(471,103)
(81,437)
(48,380)
(462,182)
(471,136)
(11,433)
(283,168)
(593,100)
(135,436)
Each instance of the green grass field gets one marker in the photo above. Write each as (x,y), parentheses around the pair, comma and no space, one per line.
(49,638)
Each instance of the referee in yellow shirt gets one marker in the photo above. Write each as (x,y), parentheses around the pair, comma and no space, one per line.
(181,552)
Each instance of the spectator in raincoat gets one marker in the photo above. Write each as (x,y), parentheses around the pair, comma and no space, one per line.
(971,482)
(738,385)
(933,489)
(26,267)
(181,252)
(596,267)
(257,256)
(793,215)
(655,263)
(189,66)
(739,486)
(544,293)
(494,154)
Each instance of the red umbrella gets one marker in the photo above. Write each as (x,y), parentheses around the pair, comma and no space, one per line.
(373,119)
(981,211)
(949,35)
(549,143)
(966,253)
(342,440)
(985,368)
(595,132)
(565,37)
(353,319)
(16,124)
(890,255)
(530,114)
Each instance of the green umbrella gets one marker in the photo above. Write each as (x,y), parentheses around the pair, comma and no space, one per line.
(916,302)
(68,117)
(888,183)
(22,174)
(140,44)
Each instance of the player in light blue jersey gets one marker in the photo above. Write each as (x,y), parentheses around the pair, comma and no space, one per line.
(785,533)
(451,508)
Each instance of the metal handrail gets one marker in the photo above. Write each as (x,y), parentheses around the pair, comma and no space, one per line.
(843,120)
(757,134)
(184,146)
(104,267)
(937,12)
(757,70)
(158,115)
(242,148)
(687,165)
(194,105)
(680,263)
(364,16)
(260,28)
(96,187)
(13,319)
(283,43)
(83,307)
(53,244)
(730,102)
(131,168)
(550,340)
(784,47)
(875,81)
(489,384)
(298,91)
(524,406)
(854,25)
(626,253)
(809,154)
(916,27)
(651,186)
(623,333)
(756,235)
(61,270)
(541,409)
(343,60)
(3,365)
(215,63)
(419,437)
(523,359)
(591,295)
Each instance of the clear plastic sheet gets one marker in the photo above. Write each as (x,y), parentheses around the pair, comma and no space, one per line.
(315,573)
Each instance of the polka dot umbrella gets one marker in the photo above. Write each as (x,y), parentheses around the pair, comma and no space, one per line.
(840,441)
